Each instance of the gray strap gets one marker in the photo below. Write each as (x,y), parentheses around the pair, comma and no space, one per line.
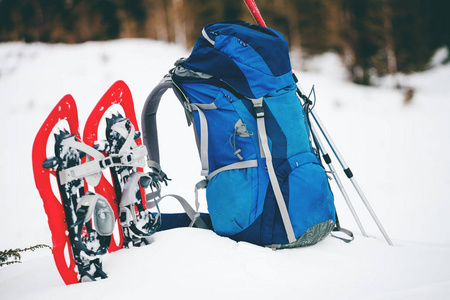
(133,157)
(128,136)
(192,214)
(202,184)
(154,165)
(148,118)
(83,147)
(345,231)
(131,188)
(93,178)
(204,106)
(205,35)
(239,165)
(203,135)
(262,135)
(89,169)
(152,195)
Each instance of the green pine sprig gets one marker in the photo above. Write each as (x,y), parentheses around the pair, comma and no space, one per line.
(12,256)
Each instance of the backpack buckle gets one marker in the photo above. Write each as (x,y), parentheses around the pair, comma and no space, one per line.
(105,163)
(128,158)
(258,107)
(187,106)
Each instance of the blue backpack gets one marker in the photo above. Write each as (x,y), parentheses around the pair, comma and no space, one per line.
(264,181)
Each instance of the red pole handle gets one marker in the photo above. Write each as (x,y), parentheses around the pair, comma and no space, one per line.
(255,12)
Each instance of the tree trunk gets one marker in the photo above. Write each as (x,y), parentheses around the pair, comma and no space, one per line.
(389,39)
(176,15)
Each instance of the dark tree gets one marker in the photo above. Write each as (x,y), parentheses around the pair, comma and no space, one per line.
(373,37)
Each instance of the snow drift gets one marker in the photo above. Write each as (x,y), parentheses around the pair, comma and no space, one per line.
(397,152)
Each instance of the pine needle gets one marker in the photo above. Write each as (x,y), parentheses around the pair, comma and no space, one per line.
(12,256)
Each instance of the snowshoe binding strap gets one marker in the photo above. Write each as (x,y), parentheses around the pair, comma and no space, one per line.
(96,207)
(144,224)
(137,222)
(129,155)
(87,243)
(88,170)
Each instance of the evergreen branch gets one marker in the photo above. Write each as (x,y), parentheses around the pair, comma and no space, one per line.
(15,254)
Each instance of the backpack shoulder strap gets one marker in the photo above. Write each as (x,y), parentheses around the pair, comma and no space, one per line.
(150,140)
(148,118)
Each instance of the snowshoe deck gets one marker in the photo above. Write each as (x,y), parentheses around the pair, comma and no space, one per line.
(86,225)
(77,247)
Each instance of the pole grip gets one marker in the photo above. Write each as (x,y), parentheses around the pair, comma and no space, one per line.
(251,5)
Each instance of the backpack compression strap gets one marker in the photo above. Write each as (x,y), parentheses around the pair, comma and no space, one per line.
(262,136)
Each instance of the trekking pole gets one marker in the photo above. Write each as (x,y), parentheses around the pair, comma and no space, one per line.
(349,174)
(329,163)
(251,5)
(258,18)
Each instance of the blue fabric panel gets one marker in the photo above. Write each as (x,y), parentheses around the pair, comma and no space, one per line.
(230,195)
(260,83)
(206,59)
(251,234)
(220,138)
(268,227)
(242,53)
(241,58)
(221,123)
(278,143)
(286,123)
(268,43)
(268,217)
(246,116)
(308,198)
(198,92)
(263,182)
(311,199)
(261,175)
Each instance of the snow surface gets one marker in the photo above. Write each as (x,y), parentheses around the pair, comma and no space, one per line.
(398,153)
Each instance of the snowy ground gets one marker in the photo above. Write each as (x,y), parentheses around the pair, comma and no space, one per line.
(398,153)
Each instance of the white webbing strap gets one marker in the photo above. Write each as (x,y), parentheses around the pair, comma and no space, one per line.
(128,136)
(202,184)
(239,165)
(130,147)
(262,136)
(132,158)
(154,165)
(205,35)
(203,134)
(91,169)
(88,170)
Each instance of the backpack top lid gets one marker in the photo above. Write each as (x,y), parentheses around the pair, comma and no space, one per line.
(252,59)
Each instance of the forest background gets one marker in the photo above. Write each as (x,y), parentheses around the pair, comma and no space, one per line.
(373,37)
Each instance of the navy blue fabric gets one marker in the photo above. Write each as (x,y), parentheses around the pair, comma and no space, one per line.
(268,42)
(253,60)
(205,59)
(177,220)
